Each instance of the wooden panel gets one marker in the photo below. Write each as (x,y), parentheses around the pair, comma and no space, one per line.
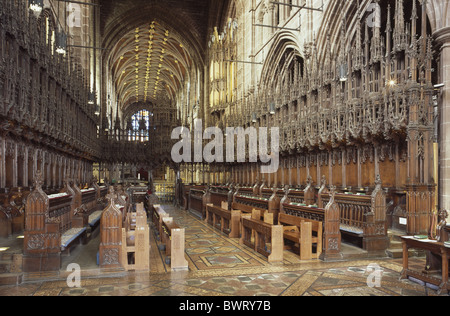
(337,175)
(351,174)
(387,173)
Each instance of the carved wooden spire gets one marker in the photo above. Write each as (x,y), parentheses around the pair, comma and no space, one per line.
(400,41)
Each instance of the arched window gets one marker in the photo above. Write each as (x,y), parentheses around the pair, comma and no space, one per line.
(139,127)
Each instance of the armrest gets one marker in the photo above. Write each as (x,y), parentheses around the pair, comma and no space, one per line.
(290,228)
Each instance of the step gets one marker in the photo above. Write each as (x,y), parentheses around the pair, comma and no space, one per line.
(394,235)
(11,279)
(11,263)
(396,253)
(396,245)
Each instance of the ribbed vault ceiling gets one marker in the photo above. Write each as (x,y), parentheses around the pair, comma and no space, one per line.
(148,61)
(152,45)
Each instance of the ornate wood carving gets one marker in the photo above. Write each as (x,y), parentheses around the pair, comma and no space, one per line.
(110,250)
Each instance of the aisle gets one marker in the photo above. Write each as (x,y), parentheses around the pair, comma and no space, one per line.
(219,266)
(209,249)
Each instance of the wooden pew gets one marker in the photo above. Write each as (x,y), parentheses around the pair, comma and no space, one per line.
(51,228)
(136,241)
(227,221)
(363,217)
(122,201)
(17,201)
(5,223)
(245,191)
(303,232)
(12,209)
(89,199)
(249,203)
(174,238)
(186,191)
(196,199)
(96,205)
(329,216)
(158,214)
(219,194)
(84,203)
(102,192)
(263,238)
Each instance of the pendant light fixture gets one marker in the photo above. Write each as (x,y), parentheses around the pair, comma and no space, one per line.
(36,6)
(272,109)
(343,72)
(61,42)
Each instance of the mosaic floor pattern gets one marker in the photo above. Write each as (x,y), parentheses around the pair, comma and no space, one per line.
(219,266)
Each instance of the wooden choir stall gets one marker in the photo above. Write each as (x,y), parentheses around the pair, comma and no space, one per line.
(315,231)
(52,226)
(125,234)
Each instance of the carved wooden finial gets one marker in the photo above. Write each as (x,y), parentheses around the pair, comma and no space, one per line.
(324,181)
(38,180)
(378,181)
(309,181)
(111,194)
(443,215)
(332,192)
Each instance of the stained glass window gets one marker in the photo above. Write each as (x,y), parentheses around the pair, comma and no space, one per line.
(140,126)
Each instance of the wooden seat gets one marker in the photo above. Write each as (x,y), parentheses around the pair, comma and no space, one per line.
(264,238)
(173,237)
(305,233)
(363,218)
(136,241)
(227,221)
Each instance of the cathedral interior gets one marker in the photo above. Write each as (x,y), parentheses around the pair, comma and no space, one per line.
(118,160)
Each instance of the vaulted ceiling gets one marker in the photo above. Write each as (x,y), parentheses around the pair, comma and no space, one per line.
(153,44)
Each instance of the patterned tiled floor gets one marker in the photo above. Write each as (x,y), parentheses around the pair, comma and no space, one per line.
(219,266)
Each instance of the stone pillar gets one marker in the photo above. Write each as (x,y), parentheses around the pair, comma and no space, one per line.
(442,36)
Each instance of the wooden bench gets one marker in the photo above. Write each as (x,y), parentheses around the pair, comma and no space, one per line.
(174,238)
(303,232)
(262,237)
(330,219)
(227,221)
(196,201)
(51,228)
(5,223)
(158,215)
(249,203)
(136,241)
(12,212)
(363,218)
(219,194)
(89,199)
(85,204)
(102,192)
(94,223)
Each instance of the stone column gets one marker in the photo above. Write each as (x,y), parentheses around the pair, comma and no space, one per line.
(442,36)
